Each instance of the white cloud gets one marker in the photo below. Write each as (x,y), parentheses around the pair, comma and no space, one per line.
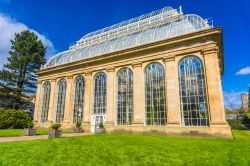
(244,71)
(8,28)
(232,99)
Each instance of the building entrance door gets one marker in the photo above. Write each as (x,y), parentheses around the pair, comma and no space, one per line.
(96,120)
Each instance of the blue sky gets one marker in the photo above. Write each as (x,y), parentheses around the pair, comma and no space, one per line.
(59,23)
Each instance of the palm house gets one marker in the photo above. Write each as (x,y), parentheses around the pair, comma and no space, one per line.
(157,73)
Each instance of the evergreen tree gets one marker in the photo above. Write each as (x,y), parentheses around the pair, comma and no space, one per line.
(18,77)
(249,98)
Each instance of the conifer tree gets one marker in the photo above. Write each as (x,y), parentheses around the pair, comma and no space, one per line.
(249,98)
(18,77)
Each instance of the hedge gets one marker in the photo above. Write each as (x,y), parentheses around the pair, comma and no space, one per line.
(16,119)
(236,124)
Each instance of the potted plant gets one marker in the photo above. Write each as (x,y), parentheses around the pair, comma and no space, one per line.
(100,129)
(78,128)
(30,130)
(54,131)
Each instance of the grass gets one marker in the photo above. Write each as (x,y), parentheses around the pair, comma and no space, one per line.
(129,150)
(19,132)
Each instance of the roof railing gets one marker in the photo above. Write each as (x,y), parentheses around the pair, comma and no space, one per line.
(210,22)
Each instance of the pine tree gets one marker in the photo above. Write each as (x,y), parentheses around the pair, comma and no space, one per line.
(249,98)
(18,77)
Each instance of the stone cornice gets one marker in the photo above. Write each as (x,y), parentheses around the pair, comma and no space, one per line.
(39,81)
(69,77)
(210,51)
(45,80)
(110,69)
(78,74)
(169,57)
(138,64)
(88,74)
(163,55)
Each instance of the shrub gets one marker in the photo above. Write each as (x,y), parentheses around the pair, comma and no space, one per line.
(16,119)
(236,124)
(55,126)
(30,125)
(101,126)
(241,127)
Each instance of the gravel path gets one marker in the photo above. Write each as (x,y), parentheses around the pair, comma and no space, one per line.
(26,138)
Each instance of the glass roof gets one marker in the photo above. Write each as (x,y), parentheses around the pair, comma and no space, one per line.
(155,26)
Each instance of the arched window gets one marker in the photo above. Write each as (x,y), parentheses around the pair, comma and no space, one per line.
(155,100)
(45,102)
(193,100)
(79,99)
(124,97)
(100,93)
(62,86)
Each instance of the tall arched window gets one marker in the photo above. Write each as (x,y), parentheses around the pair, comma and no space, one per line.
(62,86)
(45,102)
(124,97)
(193,100)
(79,99)
(155,100)
(100,93)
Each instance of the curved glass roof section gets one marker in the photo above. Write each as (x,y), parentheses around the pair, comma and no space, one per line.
(152,27)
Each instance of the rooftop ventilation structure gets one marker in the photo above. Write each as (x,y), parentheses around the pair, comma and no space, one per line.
(126,27)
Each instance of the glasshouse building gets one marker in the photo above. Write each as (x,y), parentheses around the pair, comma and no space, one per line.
(156,73)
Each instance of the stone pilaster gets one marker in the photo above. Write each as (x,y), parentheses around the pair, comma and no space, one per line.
(138,94)
(51,113)
(87,102)
(68,103)
(214,88)
(110,97)
(172,93)
(38,101)
(218,123)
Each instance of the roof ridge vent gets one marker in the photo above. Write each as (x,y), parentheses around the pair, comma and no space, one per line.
(136,24)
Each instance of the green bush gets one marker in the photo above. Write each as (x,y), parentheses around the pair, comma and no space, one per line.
(241,127)
(236,124)
(101,126)
(31,125)
(55,126)
(16,119)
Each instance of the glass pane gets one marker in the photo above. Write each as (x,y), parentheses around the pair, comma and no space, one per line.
(100,92)
(45,102)
(78,100)
(62,85)
(192,92)
(155,100)
(124,97)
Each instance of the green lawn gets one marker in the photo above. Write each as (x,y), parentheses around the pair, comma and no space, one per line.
(129,150)
(19,132)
